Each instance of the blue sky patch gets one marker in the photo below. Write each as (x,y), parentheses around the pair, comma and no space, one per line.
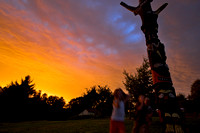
(134,37)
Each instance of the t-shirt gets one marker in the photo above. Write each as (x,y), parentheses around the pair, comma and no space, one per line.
(118,114)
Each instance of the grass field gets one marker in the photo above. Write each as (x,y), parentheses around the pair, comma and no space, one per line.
(82,126)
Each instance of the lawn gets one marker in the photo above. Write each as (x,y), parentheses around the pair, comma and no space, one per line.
(69,126)
(82,126)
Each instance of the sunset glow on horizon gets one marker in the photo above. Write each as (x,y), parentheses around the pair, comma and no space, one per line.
(67,46)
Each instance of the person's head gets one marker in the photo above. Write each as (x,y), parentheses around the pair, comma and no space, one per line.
(146,101)
(119,94)
(141,98)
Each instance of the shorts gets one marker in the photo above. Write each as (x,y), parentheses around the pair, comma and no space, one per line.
(117,126)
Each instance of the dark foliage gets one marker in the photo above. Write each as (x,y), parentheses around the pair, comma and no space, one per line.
(194,98)
(140,83)
(22,102)
(96,99)
(195,91)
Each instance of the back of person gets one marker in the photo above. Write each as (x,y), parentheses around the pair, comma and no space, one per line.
(118,113)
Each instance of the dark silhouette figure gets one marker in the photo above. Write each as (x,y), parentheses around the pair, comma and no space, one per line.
(144,113)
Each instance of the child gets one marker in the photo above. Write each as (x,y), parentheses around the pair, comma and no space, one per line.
(118,113)
(143,115)
(149,113)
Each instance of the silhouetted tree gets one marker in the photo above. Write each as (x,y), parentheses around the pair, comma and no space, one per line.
(75,106)
(23,102)
(27,88)
(137,84)
(195,90)
(104,104)
(195,96)
(181,100)
(91,98)
(44,97)
(56,103)
(15,98)
(141,82)
(97,98)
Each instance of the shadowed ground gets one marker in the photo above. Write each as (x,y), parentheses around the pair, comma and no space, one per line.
(84,126)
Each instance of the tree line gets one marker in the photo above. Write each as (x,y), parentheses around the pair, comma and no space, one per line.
(21,101)
(97,99)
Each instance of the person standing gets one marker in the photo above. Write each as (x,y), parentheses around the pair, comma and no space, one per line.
(149,113)
(118,113)
(143,115)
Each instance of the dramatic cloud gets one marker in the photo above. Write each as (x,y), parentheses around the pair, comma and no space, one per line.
(67,46)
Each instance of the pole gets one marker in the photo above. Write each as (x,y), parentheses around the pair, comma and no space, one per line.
(162,83)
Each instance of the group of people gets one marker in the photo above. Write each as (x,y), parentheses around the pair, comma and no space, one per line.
(143,113)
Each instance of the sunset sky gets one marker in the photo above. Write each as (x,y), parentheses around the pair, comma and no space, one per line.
(69,45)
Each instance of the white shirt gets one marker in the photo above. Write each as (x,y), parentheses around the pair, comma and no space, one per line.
(118,114)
